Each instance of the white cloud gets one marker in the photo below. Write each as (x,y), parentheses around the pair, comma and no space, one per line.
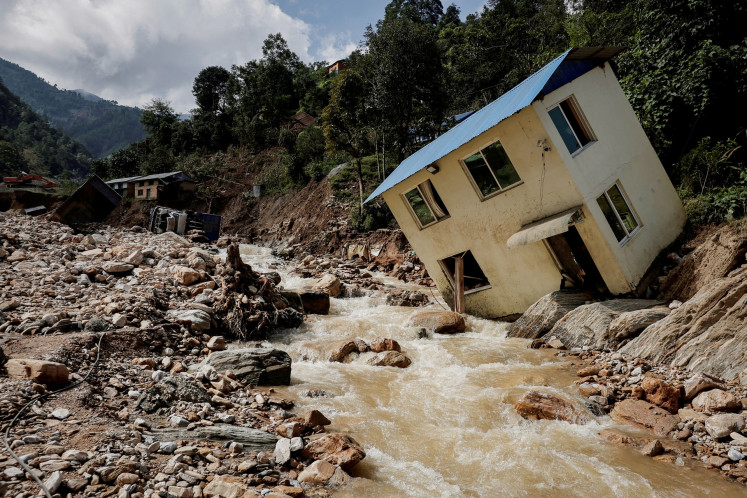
(134,50)
(336,46)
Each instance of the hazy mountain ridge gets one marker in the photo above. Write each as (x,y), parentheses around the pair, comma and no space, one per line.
(29,143)
(102,126)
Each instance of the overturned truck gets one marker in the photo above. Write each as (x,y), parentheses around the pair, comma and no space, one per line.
(164,219)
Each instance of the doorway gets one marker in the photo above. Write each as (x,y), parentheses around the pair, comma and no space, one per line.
(576,266)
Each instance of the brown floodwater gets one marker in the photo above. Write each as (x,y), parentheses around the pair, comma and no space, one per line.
(445,426)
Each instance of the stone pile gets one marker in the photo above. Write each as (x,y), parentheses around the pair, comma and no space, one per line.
(53,279)
(166,410)
(694,415)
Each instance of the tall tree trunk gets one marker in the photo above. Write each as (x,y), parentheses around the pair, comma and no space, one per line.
(359,167)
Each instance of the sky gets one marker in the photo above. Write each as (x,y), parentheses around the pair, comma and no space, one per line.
(133,51)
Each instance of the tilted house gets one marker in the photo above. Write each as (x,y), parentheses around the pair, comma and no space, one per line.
(553,184)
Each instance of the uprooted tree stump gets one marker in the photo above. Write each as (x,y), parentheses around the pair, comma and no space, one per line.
(249,308)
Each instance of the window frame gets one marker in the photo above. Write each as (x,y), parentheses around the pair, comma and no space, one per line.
(445,269)
(580,118)
(628,204)
(500,190)
(139,192)
(425,201)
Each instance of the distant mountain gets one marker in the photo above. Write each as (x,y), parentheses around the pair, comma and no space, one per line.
(102,126)
(29,143)
(88,95)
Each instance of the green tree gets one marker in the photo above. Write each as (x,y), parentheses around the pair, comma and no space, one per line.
(686,72)
(159,119)
(345,121)
(404,68)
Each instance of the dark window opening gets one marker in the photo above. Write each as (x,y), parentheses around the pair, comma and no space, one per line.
(474,278)
(571,125)
(618,213)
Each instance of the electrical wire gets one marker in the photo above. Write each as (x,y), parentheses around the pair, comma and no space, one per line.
(434,298)
(6,436)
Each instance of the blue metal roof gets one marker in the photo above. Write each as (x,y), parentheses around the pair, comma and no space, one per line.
(544,81)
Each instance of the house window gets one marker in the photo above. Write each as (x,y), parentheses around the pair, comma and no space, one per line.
(571,125)
(491,170)
(139,192)
(474,278)
(618,213)
(426,205)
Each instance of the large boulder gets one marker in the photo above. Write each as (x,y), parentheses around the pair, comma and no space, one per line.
(441,322)
(329,284)
(315,302)
(545,406)
(381,344)
(661,393)
(632,323)
(337,449)
(716,400)
(705,334)
(171,390)
(197,319)
(589,325)
(340,349)
(701,382)
(256,366)
(644,415)
(40,371)
(542,315)
(723,424)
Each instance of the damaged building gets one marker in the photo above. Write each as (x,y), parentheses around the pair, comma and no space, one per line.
(552,185)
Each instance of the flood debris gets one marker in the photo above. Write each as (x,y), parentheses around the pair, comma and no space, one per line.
(92,202)
(165,219)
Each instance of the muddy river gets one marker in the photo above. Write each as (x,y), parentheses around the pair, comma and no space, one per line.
(445,426)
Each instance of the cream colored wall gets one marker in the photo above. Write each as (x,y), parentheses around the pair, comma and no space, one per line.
(517,276)
(622,152)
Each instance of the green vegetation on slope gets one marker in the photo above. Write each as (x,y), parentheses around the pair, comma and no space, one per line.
(102,126)
(28,143)
(685,74)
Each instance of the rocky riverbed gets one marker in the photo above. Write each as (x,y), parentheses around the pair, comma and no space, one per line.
(179,358)
(128,321)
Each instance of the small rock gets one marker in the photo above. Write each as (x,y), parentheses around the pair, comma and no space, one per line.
(318,472)
(652,448)
(216,343)
(314,418)
(735,455)
(390,359)
(441,322)
(167,447)
(60,413)
(282,451)
(53,482)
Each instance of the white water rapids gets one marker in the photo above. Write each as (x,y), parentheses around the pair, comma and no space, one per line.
(445,426)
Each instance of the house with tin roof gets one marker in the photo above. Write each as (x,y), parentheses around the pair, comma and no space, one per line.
(172,185)
(552,185)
